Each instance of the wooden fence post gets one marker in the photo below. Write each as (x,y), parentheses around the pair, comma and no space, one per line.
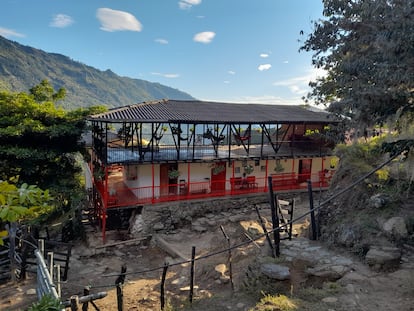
(119,283)
(229,258)
(86,291)
(192,274)
(74,300)
(162,291)
(314,232)
(275,219)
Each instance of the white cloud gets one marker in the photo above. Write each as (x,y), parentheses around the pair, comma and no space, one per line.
(8,33)
(113,20)
(161,41)
(264,67)
(264,100)
(187,4)
(264,55)
(61,21)
(204,37)
(286,62)
(166,75)
(226,82)
(300,85)
(231,72)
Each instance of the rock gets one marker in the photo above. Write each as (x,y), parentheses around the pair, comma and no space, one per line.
(396,227)
(378,200)
(31,291)
(253,229)
(275,271)
(383,257)
(137,225)
(221,268)
(328,272)
(198,228)
(330,300)
(158,226)
(347,235)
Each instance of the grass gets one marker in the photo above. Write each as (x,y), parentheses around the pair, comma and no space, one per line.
(275,303)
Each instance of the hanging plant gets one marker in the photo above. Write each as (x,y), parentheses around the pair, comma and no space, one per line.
(176,130)
(248,169)
(173,174)
(217,169)
(98,173)
(279,167)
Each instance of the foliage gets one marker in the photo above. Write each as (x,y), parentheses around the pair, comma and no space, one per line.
(47,302)
(360,157)
(38,141)
(22,67)
(279,302)
(24,202)
(173,174)
(248,169)
(366,48)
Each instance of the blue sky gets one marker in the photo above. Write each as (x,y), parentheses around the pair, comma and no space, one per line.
(220,50)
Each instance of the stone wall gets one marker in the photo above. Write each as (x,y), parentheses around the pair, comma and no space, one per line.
(174,215)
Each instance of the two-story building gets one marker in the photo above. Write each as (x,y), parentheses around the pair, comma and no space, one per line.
(169,150)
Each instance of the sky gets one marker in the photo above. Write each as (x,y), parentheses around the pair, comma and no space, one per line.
(217,50)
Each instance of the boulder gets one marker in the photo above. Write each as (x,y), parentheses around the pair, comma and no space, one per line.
(378,200)
(275,271)
(396,227)
(383,257)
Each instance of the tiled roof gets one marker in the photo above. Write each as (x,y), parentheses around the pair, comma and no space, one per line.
(180,111)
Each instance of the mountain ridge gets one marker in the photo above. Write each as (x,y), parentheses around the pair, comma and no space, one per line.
(22,67)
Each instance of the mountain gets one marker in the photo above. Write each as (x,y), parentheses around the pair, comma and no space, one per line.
(22,67)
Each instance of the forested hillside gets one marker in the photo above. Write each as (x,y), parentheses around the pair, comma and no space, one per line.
(22,67)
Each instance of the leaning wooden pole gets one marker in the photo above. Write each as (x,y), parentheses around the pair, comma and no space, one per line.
(119,291)
(275,219)
(192,274)
(269,241)
(314,228)
(229,258)
(162,290)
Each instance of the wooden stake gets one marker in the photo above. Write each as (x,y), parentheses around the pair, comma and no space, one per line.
(275,219)
(164,274)
(229,258)
(264,229)
(312,213)
(119,283)
(192,274)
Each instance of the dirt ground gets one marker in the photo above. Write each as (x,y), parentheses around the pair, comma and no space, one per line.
(99,267)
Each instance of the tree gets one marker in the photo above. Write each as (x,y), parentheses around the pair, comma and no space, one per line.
(366,47)
(39,141)
(45,92)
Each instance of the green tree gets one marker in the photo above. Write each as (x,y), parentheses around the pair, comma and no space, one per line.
(366,47)
(39,141)
(44,92)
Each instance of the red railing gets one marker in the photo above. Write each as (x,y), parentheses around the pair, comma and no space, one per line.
(124,196)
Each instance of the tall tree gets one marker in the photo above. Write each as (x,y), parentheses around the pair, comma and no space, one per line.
(38,141)
(367,49)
